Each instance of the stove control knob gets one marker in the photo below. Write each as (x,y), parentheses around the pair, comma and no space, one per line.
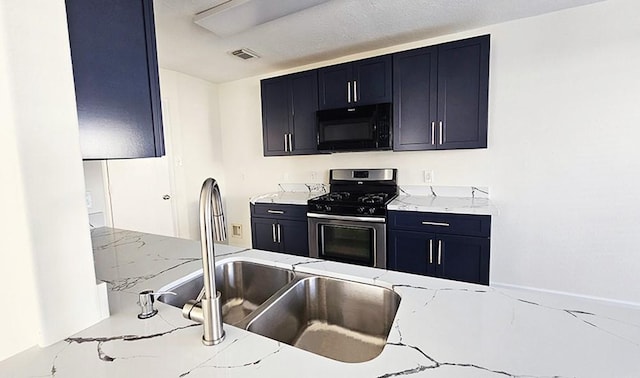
(318,207)
(327,208)
(372,210)
(361,210)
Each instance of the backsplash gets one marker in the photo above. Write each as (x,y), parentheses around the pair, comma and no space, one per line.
(301,187)
(412,190)
(445,191)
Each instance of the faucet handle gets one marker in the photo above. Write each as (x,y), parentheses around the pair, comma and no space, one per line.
(146,299)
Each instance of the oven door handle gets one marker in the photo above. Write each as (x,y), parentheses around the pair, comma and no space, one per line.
(347,218)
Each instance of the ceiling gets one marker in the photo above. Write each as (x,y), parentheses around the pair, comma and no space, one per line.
(326,31)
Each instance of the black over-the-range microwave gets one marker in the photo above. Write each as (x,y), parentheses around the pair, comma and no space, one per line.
(360,128)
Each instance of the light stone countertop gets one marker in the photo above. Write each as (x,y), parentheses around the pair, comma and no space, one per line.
(442,328)
(439,204)
(285,198)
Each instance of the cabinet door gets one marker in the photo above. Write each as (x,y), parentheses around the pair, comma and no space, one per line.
(463,82)
(264,234)
(372,81)
(335,86)
(415,100)
(115,70)
(275,115)
(463,258)
(411,252)
(304,97)
(294,237)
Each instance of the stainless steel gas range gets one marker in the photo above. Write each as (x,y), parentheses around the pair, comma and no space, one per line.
(349,224)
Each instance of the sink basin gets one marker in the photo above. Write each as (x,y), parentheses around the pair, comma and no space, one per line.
(243,286)
(343,320)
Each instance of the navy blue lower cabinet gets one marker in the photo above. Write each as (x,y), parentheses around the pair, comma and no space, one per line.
(409,252)
(263,234)
(414,247)
(294,237)
(462,258)
(280,228)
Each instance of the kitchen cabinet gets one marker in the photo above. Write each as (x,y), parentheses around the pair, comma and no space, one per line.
(280,228)
(363,82)
(450,246)
(115,70)
(441,96)
(289,105)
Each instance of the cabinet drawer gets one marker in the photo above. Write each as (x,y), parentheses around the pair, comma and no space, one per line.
(279,211)
(441,223)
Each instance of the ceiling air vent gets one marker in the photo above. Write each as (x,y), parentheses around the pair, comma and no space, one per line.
(244,54)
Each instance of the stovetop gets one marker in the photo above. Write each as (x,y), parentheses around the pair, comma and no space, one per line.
(351,203)
(364,192)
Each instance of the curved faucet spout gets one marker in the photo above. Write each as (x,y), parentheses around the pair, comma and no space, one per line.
(212,225)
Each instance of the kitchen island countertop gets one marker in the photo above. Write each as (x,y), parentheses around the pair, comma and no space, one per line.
(442,328)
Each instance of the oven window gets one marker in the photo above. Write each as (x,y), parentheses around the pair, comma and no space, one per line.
(348,244)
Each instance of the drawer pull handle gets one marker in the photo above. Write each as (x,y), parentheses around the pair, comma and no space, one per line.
(275,211)
(436,224)
(430,251)
(439,252)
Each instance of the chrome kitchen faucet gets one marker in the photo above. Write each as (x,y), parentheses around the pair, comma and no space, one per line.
(206,308)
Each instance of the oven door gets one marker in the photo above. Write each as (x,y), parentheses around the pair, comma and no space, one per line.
(355,240)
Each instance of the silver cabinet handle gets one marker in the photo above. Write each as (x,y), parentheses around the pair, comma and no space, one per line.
(166,197)
(433,132)
(430,251)
(275,211)
(290,144)
(273,232)
(436,224)
(441,133)
(285,143)
(439,252)
(348,91)
(355,91)
(279,240)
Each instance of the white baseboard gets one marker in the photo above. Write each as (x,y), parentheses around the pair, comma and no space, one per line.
(602,300)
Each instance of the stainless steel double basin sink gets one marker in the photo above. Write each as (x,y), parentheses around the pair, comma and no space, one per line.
(339,319)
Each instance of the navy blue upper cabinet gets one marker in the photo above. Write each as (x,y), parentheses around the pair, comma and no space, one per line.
(115,69)
(415,91)
(441,96)
(362,82)
(289,105)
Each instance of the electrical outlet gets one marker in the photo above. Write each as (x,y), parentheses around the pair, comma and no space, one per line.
(236,230)
(428,176)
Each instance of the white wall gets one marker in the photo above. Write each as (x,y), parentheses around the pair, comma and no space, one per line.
(194,142)
(16,270)
(94,178)
(562,161)
(51,281)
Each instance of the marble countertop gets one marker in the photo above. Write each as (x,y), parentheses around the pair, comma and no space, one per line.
(442,328)
(454,200)
(439,204)
(285,198)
